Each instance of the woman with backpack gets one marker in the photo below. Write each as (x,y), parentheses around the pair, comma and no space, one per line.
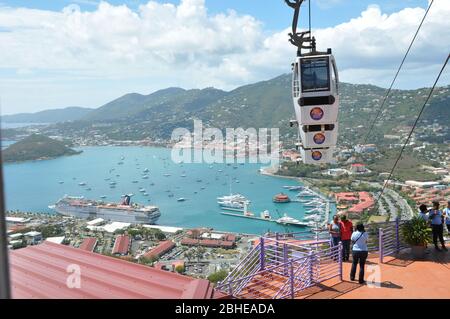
(359,252)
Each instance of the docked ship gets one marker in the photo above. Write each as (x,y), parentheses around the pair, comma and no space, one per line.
(125,211)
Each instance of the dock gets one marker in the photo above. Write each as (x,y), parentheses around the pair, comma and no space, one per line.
(263,219)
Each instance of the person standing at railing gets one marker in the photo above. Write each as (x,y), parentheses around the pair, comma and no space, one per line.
(423,212)
(346,236)
(447,216)
(437,225)
(359,252)
(335,230)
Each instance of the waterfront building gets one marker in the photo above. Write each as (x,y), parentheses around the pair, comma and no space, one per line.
(89,244)
(160,250)
(121,245)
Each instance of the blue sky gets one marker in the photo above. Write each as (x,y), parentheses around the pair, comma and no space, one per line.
(59,54)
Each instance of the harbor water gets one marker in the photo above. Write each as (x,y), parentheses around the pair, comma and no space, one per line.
(33,186)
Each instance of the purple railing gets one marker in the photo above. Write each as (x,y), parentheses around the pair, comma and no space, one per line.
(390,241)
(301,260)
(297,267)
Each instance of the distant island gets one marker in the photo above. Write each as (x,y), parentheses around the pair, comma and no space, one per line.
(36,147)
(72,113)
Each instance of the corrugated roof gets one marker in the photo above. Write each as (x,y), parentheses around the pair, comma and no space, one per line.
(161,249)
(88,244)
(41,272)
(121,245)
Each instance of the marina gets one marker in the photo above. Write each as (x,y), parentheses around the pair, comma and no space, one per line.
(202,186)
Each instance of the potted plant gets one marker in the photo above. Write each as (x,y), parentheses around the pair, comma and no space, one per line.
(416,233)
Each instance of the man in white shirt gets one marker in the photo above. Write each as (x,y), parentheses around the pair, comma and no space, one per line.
(447,216)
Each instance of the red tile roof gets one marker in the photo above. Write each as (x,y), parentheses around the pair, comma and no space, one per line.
(213,243)
(161,249)
(88,244)
(41,272)
(121,245)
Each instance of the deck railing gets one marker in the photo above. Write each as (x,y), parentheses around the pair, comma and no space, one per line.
(390,240)
(304,259)
(287,260)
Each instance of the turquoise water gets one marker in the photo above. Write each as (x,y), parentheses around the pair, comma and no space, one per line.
(32,186)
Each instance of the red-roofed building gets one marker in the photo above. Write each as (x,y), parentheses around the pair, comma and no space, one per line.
(121,245)
(41,272)
(366,202)
(163,248)
(89,244)
(346,198)
(210,243)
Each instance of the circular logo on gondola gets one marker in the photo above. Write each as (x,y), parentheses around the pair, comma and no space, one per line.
(316,155)
(316,113)
(319,138)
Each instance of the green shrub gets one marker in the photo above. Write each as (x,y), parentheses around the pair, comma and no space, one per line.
(416,232)
(218,276)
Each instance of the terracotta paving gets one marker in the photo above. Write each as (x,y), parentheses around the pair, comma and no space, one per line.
(404,278)
(400,278)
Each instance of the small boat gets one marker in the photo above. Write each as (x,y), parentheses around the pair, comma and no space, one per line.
(145,177)
(181,199)
(113,183)
(167,175)
(266,215)
(281,198)
(146,170)
(82,184)
(103,197)
(142,190)
(184,175)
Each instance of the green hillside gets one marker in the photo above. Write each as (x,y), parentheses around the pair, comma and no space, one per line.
(48,116)
(36,147)
(263,104)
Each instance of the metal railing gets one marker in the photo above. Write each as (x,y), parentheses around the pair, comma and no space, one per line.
(390,241)
(302,259)
(296,265)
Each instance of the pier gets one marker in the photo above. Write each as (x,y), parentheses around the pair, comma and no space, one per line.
(264,219)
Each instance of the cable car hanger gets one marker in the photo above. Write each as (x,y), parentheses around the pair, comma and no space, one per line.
(302,40)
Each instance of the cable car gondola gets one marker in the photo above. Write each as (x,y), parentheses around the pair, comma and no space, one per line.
(315,94)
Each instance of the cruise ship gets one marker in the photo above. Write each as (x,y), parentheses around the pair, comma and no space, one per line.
(125,211)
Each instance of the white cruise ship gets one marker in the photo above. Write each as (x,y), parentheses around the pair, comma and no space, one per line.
(124,212)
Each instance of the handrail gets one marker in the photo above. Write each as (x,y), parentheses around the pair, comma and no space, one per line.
(260,272)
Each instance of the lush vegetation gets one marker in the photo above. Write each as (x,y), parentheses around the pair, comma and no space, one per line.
(35,147)
(416,232)
(264,104)
(218,276)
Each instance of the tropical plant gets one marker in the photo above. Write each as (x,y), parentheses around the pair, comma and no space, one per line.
(416,232)
(218,276)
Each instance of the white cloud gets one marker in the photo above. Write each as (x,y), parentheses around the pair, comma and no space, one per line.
(162,45)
